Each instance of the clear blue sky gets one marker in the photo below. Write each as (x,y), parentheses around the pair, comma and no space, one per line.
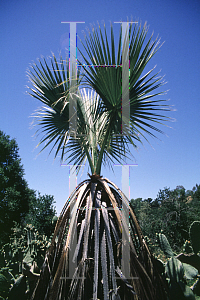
(29,29)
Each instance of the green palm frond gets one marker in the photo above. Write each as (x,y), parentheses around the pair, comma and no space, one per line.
(51,85)
(99,135)
(105,76)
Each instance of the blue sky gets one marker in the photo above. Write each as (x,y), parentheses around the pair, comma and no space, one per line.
(29,29)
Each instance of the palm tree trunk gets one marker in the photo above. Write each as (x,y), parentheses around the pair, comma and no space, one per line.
(96,216)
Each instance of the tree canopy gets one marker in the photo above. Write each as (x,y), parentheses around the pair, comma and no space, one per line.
(19,203)
(172,211)
(41,213)
(14,191)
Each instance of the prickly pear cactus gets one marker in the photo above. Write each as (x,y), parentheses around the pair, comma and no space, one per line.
(19,261)
(187,247)
(177,272)
(195,236)
(164,245)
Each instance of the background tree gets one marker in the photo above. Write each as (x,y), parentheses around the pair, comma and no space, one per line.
(173,215)
(41,213)
(193,201)
(19,203)
(172,211)
(14,191)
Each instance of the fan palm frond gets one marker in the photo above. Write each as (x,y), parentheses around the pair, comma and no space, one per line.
(105,76)
(51,85)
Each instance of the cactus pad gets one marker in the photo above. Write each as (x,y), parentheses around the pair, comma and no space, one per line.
(195,236)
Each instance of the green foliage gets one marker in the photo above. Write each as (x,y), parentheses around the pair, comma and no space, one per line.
(26,246)
(192,260)
(21,260)
(4,285)
(18,290)
(14,192)
(23,248)
(187,247)
(41,213)
(195,236)
(172,211)
(164,245)
(178,273)
(174,269)
(99,134)
(190,272)
(19,203)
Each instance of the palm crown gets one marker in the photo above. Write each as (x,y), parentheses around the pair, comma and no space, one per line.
(96,203)
(99,137)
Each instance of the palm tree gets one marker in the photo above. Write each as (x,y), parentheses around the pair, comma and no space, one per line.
(91,217)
